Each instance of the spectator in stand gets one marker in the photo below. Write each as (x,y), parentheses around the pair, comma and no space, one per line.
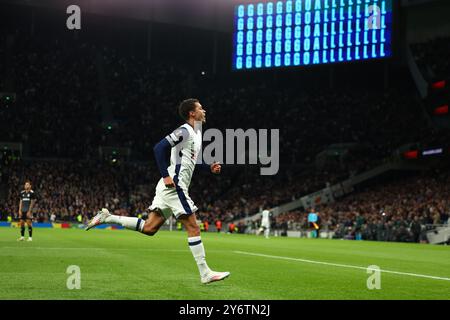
(395,211)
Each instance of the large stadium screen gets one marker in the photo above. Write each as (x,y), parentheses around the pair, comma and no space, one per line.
(287,33)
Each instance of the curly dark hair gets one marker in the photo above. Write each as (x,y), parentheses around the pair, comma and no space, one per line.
(185,107)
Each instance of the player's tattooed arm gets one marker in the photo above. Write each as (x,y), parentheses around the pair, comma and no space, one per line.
(20,208)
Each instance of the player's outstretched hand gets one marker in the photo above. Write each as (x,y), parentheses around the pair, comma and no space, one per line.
(168,181)
(216,167)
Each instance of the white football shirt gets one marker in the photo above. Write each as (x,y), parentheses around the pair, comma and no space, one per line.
(186,145)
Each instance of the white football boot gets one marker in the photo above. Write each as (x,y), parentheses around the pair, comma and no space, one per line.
(21,239)
(99,219)
(213,276)
(29,239)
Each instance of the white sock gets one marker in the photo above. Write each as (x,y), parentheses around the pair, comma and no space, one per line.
(267,232)
(131,223)
(198,251)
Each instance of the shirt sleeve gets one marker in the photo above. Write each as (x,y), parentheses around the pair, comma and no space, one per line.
(178,135)
(160,151)
(161,148)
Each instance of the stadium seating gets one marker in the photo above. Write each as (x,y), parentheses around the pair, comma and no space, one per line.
(53,120)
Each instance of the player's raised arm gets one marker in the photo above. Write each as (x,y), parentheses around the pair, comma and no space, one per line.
(215,167)
(161,149)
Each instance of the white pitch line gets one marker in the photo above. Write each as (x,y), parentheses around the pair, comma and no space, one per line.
(342,265)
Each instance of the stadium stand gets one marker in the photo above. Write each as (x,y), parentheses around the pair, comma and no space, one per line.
(139,98)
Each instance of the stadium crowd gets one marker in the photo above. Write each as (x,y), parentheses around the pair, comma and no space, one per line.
(395,211)
(64,118)
(432,57)
(57,112)
(143,97)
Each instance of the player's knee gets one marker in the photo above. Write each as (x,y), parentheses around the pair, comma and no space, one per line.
(149,230)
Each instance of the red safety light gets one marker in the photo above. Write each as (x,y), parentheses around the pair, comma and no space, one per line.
(413,154)
(439,85)
(443,110)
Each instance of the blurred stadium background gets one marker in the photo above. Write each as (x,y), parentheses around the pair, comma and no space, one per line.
(365,144)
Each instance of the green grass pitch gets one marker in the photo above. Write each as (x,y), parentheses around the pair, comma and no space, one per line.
(121,264)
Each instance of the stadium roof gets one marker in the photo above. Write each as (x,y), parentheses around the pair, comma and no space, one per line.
(204,14)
